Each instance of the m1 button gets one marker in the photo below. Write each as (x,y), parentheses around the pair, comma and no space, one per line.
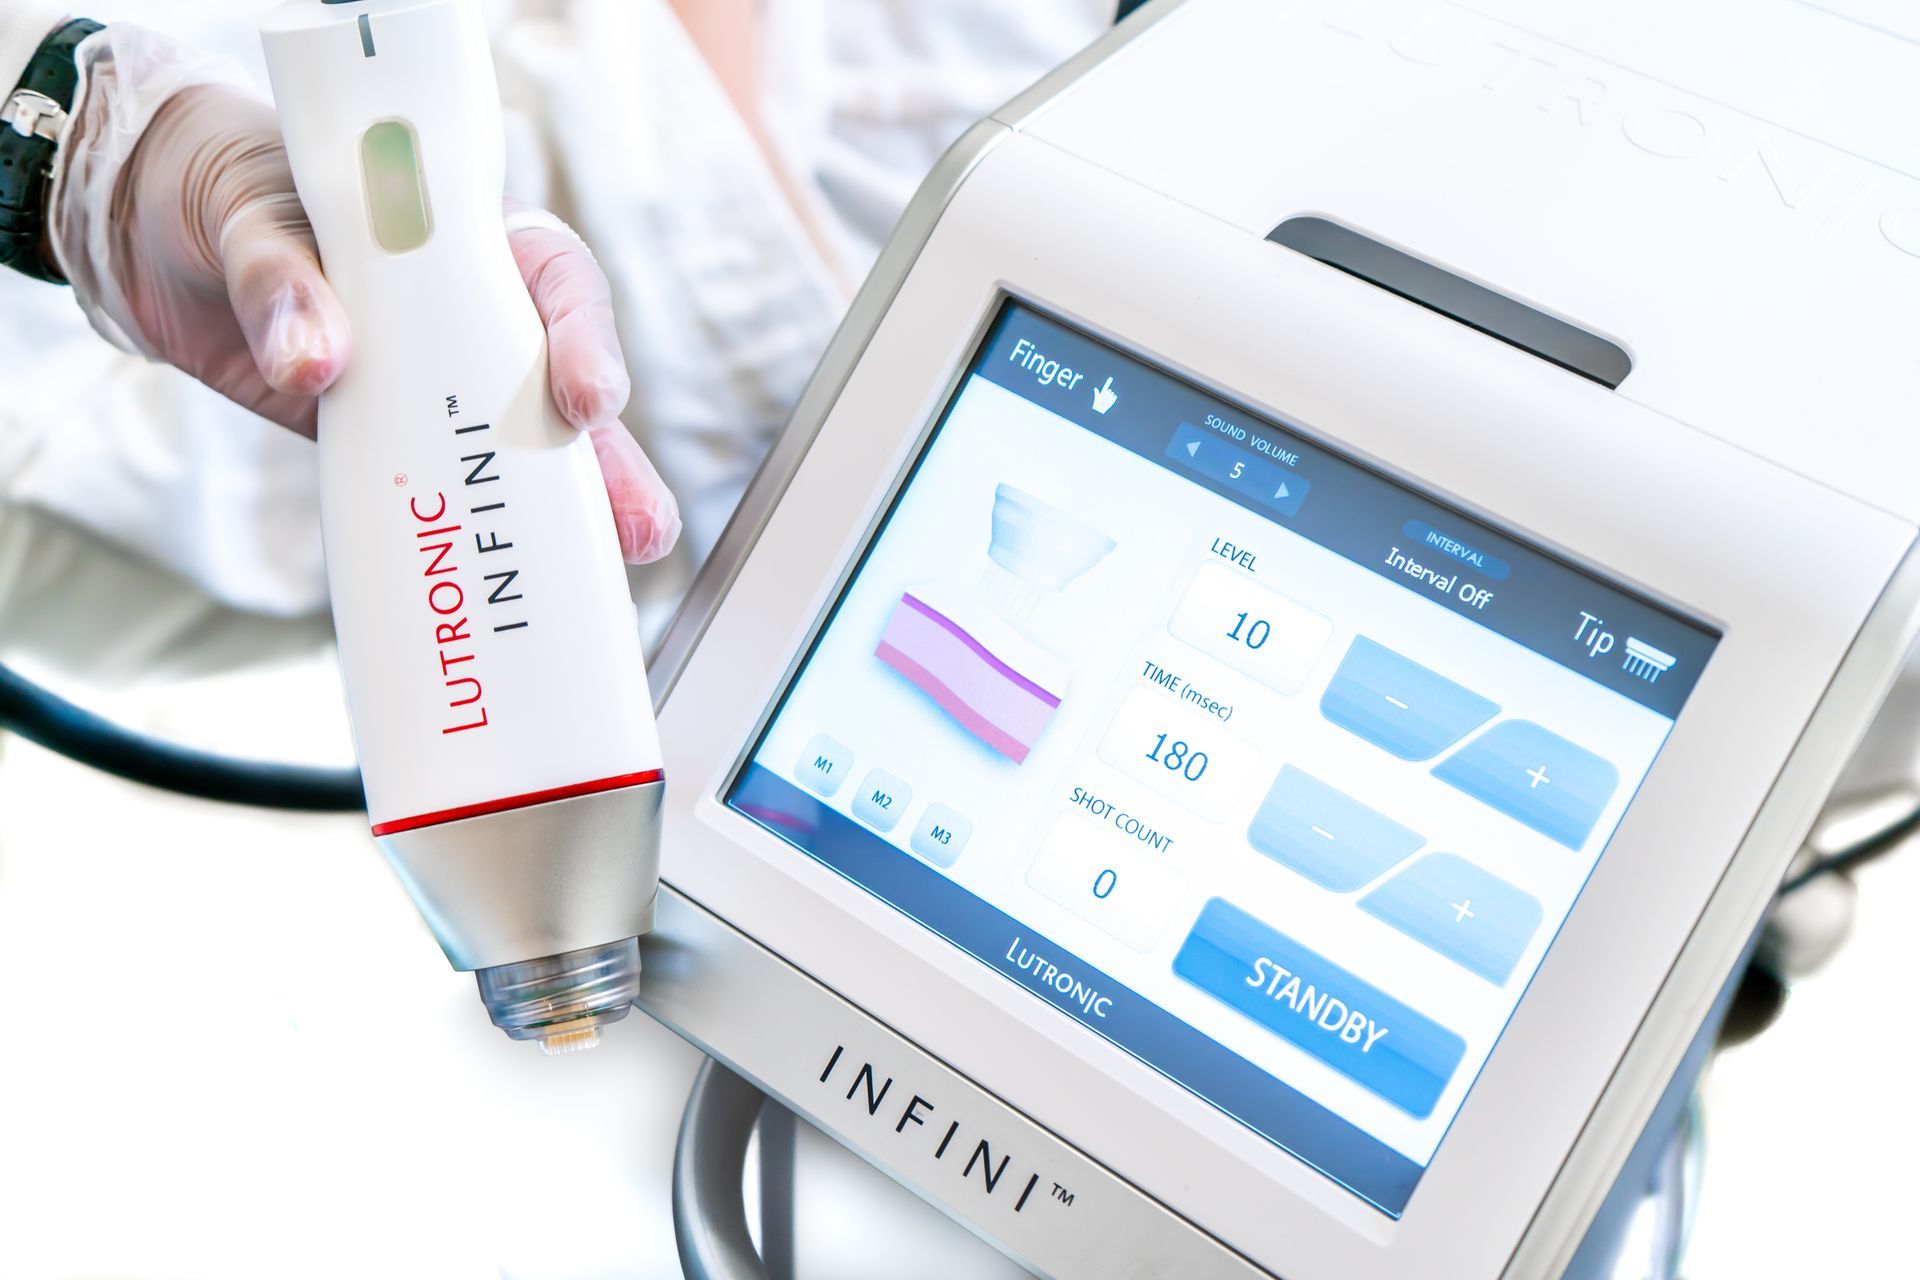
(823,766)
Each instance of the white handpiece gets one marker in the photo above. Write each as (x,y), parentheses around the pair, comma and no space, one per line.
(489,645)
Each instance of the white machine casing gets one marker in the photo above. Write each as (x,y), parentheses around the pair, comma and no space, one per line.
(1720,189)
(490,649)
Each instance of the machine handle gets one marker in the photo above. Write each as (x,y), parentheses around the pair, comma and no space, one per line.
(709,1211)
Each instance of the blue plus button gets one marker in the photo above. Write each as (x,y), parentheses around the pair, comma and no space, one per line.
(1536,777)
(1468,915)
(1314,1004)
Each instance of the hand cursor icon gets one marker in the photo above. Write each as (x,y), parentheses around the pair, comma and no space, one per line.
(1104,396)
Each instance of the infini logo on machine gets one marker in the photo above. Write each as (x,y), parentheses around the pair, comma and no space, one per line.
(915,1116)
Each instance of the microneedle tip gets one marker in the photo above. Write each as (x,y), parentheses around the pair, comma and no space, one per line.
(570,1041)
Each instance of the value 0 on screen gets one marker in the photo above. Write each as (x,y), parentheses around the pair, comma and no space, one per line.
(1258,632)
(1184,754)
(1119,887)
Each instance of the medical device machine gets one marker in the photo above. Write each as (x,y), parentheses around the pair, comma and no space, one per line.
(1248,721)
(488,643)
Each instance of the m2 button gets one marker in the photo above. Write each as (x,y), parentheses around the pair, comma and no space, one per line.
(1314,1004)
(881,800)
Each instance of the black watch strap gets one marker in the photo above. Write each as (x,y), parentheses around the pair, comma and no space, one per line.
(30,118)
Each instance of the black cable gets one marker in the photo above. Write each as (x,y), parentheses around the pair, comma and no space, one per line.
(1860,852)
(80,735)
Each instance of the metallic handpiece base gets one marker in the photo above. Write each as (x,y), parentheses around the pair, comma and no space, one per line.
(544,880)
(563,1001)
(527,898)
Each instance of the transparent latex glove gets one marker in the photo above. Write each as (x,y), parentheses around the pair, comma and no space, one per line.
(202,257)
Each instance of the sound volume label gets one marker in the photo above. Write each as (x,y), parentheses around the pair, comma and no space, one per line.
(1264,479)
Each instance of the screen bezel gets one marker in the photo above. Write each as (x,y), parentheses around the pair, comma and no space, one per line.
(1301,344)
(1003,304)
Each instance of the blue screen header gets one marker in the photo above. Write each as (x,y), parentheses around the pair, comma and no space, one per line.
(1617,639)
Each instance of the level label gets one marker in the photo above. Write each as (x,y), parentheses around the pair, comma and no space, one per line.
(1256,631)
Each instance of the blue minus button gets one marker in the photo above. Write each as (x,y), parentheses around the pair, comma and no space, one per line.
(1314,1004)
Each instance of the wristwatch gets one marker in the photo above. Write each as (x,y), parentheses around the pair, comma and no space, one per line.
(30,122)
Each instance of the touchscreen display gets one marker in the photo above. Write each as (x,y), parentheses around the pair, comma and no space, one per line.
(1276,773)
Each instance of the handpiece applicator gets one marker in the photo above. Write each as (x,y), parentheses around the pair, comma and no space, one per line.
(488,644)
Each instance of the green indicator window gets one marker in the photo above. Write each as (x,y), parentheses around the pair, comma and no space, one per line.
(396,190)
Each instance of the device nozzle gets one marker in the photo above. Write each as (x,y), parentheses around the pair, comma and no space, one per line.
(562,1001)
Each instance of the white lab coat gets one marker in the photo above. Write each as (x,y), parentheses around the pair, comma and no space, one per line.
(723,299)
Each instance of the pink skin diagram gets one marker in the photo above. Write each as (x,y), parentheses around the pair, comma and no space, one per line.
(994,702)
(964,652)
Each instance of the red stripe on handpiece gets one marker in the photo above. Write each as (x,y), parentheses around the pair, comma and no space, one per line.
(518,802)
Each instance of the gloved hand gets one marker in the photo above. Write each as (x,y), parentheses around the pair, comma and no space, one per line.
(174,216)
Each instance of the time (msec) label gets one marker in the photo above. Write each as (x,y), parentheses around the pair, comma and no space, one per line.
(1184,754)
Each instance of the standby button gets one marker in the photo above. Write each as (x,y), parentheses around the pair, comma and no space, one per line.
(1314,1004)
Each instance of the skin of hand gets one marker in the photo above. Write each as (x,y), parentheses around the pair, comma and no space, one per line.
(219,267)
